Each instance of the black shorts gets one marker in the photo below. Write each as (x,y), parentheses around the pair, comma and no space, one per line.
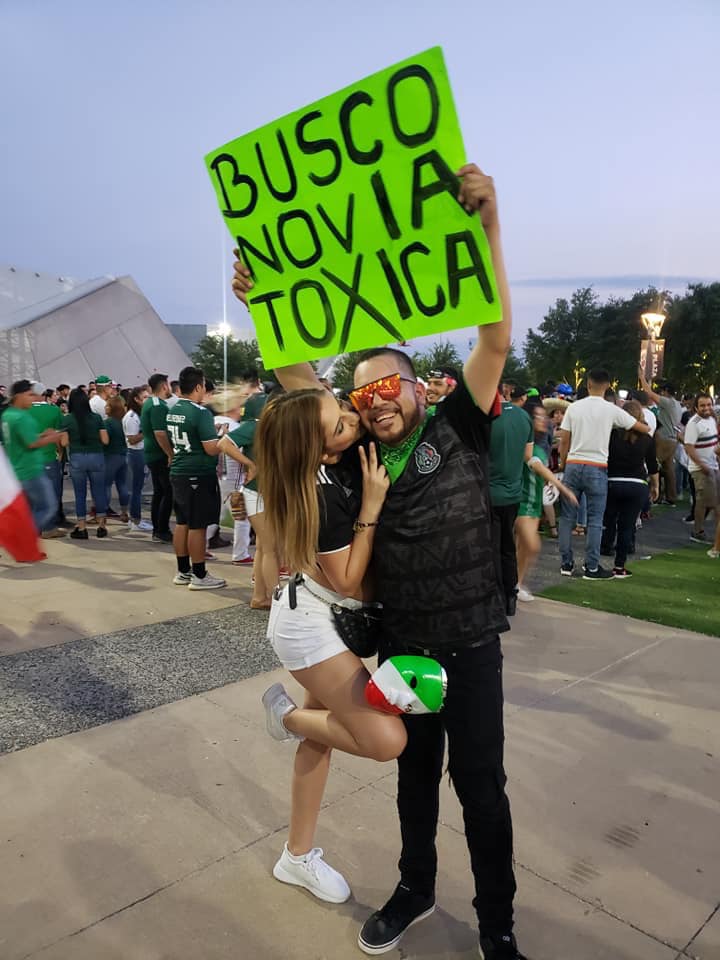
(197,500)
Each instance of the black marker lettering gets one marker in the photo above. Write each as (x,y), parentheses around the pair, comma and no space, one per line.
(345,240)
(445,180)
(356,299)
(237,179)
(456,274)
(283,195)
(355,154)
(395,285)
(383,202)
(310,147)
(429,310)
(267,298)
(422,136)
(329,333)
(269,258)
(304,217)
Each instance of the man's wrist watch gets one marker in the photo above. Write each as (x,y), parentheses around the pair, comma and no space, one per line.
(361,525)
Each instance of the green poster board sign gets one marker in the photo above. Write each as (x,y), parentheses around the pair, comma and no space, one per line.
(346,214)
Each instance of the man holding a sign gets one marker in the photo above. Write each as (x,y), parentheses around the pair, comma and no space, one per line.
(385,246)
(441,598)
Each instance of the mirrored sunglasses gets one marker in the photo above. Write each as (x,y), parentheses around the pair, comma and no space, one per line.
(387,388)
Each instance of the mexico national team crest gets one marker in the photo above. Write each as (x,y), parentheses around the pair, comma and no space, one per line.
(427,458)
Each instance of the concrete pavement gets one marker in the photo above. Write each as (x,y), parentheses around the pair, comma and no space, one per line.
(152,837)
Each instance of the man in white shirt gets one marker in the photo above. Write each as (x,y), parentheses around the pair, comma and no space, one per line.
(104,387)
(584,444)
(701,442)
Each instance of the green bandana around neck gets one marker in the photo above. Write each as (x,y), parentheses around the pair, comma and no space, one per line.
(395,459)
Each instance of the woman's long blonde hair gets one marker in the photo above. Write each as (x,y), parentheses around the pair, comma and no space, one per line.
(288,451)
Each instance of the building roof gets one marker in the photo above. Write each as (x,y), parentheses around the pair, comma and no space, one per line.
(26,295)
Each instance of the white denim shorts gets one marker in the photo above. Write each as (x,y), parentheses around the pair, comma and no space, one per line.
(253,502)
(306,635)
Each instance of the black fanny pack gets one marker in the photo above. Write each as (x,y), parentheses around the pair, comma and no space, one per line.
(358,628)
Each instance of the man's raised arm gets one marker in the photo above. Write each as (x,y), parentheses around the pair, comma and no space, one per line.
(486,362)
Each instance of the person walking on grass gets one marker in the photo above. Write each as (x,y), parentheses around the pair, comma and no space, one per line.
(701,445)
(632,480)
(583,453)
(511,442)
(535,474)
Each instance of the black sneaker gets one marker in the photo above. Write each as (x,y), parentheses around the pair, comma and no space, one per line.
(101,532)
(217,542)
(162,538)
(689,519)
(620,573)
(384,929)
(566,569)
(500,948)
(78,534)
(598,574)
(699,538)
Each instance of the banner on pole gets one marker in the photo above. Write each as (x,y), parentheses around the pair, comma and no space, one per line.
(652,356)
(346,214)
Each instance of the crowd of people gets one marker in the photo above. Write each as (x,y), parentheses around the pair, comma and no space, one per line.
(108,440)
(422,499)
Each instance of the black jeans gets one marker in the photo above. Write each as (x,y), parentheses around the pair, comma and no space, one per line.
(473,720)
(162,498)
(503,519)
(624,502)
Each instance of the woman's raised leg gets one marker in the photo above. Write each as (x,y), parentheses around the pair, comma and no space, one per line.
(349,723)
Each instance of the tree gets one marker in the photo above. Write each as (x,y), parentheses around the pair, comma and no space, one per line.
(613,343)
(242,357)
(692,338)
(440,355)
(343,370)
(557,350)
(515,368)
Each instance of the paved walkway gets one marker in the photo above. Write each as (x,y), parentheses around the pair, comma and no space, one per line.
(152,837)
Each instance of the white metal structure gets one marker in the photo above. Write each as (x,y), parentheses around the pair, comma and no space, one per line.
(59,330)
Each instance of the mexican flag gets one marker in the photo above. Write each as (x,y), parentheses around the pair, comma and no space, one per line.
(17,531)
(407,685)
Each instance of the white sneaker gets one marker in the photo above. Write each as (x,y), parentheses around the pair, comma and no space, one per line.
(524,595)
(311,872)
(139,528)
(182,579)
(713,553)
(277,705)
(206,583)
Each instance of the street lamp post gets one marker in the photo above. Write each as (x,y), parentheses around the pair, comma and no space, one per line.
(224,329)
(652,350)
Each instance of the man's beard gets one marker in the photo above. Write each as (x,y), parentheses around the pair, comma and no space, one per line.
(403,425)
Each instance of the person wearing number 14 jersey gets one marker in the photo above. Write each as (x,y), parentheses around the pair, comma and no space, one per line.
(193,474)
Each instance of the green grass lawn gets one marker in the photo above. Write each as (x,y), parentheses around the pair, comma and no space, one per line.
(680,588)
